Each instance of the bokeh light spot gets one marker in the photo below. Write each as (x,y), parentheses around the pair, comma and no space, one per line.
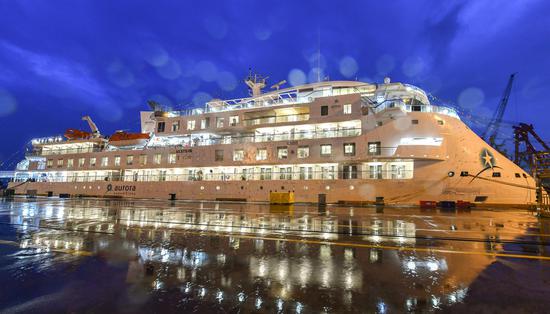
(471,98)
(262,33)
(8,105)
(216,27)
(296,77)
(348,66)
(200,98)
(413,66)
(385,64)
(227,81)
(206,70)
(170,70)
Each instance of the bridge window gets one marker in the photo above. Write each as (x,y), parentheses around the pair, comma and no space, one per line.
(161,126)
(326,150)
(347,109)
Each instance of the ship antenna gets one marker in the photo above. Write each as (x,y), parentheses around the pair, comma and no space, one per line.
(318,54)
(255,83)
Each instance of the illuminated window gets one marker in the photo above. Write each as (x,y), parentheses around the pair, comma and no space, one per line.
(172,158)
(326,150)
(303,152)
(261,154)
(375,148)
(282,152)
(70,162)
(349,149)
(234,120)
(328,173)
(92,162)
(191,124)
(238,155)
(104,161)
(175,126)
(285,173)
(142,160)
(205,123)
(161,126)
(347,109)
(60,162)
(306,173)
(219,122)
(218,155)
(440,122)
(49,163)
(375,171)
(117,161)
(265,173)
(156,159)
(324,110)
(81,162)
(129,160)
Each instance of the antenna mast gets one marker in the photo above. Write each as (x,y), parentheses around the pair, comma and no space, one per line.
(255,82)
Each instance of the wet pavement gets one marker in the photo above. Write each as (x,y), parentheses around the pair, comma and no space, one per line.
(96,255)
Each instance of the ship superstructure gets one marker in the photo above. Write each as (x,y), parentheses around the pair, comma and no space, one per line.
(349,141)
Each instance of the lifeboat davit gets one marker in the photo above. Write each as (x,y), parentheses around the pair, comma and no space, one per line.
(74,134)
(121,138)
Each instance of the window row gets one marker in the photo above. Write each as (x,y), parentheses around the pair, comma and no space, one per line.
(117,161)
(204,124)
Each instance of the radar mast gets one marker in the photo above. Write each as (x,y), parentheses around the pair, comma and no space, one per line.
(255,82)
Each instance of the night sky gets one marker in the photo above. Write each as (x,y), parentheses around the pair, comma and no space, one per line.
(60,60)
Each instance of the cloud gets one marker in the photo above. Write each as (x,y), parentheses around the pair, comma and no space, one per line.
(72,76)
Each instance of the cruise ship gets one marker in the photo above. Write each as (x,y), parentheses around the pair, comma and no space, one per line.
(330,141)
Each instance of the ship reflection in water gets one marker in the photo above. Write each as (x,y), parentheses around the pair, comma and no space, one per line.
(145,255)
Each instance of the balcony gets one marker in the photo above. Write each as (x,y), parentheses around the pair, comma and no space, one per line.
(277,119)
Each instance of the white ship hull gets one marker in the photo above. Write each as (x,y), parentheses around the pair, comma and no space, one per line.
(427,155)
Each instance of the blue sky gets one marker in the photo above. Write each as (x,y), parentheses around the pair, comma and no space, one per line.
(60,60)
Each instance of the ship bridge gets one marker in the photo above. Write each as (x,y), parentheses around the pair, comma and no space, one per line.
(379,97)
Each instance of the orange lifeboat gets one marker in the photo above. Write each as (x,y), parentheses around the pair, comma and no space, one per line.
(74,134)
(121,138)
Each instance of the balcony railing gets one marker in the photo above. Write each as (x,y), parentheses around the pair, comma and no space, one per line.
(376,174)
(277,119)
(48,152)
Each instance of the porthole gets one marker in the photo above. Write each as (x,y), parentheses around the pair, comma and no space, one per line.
(464,173)
(202,187)
(351,187)
(282,187)
(451,173)
(218,187)
(242,187)
(306,188)
(261,187)
(518,175)
(525,176)
(327,187)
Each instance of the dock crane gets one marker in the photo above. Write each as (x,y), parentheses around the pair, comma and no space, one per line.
(491,131)
(93,126)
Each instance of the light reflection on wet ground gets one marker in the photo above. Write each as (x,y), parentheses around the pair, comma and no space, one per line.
(129,256)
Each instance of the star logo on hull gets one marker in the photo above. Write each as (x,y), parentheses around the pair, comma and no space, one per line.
(487,159)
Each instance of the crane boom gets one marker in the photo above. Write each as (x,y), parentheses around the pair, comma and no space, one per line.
(492,129)
(93,127)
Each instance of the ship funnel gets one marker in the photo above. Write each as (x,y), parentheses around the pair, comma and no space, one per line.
(387,80)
